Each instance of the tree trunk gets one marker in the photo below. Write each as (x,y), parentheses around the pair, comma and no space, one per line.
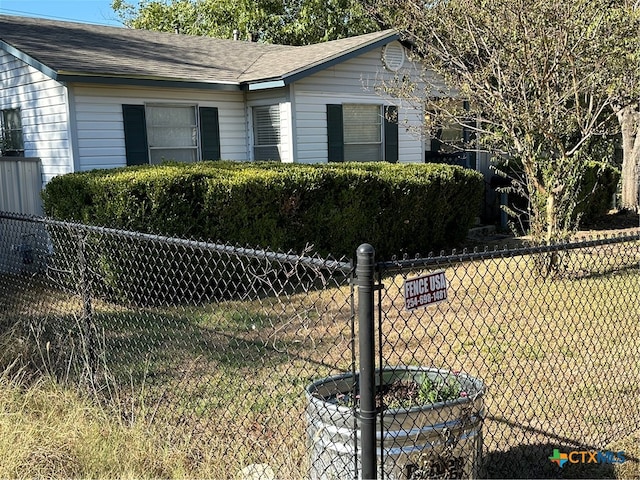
(628,118)
(551,217)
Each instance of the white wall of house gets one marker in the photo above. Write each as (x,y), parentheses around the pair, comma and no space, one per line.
(352,81)
(44,113)
(100,128)
(79,127)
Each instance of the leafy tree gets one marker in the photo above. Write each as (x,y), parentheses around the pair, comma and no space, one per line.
(532,75)
(288,22)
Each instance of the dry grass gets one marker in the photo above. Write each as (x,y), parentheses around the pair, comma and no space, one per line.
(631,446)
(48,431)
(559,356)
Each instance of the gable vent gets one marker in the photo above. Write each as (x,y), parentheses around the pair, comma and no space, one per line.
(393,56)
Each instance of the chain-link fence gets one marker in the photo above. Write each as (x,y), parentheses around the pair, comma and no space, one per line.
(541,347)
(201,341)
(482,364)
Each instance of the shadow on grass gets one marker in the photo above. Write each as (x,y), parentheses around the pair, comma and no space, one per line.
(535,460)
(131,337)
(532,461)
(144,344)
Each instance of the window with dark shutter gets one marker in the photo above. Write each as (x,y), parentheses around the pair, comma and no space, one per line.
(362,133)
(154,133)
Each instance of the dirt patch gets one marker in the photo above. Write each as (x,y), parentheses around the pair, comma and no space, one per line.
(402,393)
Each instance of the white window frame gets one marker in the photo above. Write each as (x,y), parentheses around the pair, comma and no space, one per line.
(195,127)
(4,130)
(380,124)
(254,128)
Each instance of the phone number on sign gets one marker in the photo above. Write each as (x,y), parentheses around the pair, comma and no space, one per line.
(426,298)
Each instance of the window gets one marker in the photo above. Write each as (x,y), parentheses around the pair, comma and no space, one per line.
(266,131)
(447,134)
(185,133)
(362,133)
(11,126)
(362,126)
(172,133)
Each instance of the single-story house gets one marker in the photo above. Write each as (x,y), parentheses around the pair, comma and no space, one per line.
(81,97)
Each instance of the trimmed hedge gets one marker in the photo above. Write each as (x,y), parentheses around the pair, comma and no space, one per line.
(334,207)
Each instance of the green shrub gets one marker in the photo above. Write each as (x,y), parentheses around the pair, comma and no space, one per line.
(334,207)
(599,185)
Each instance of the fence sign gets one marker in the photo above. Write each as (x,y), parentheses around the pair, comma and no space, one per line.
(425,290)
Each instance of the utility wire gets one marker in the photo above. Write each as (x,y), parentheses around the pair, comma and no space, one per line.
(50,17)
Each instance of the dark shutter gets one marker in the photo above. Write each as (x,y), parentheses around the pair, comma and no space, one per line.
(135,134)
(391,134)
(335,134)
(209,133)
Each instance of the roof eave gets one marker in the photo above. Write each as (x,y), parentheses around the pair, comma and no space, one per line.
(78,77)
(264,84)
(29,60)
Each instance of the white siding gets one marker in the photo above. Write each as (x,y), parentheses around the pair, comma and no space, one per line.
(100,128)
(50,111)
(353,81)
(44,112)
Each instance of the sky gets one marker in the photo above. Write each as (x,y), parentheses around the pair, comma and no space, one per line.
(86,11)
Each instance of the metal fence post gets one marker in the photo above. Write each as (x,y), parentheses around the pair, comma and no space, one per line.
(364,273)
(84,286)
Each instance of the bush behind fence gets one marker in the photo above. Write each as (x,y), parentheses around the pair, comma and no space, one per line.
(217,344)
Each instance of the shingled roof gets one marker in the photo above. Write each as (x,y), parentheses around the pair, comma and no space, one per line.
(68,51)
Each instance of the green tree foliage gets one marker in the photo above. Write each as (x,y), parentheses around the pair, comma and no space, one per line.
(287,22)
(533,74)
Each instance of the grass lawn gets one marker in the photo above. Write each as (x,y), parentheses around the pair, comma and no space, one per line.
(213,388)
